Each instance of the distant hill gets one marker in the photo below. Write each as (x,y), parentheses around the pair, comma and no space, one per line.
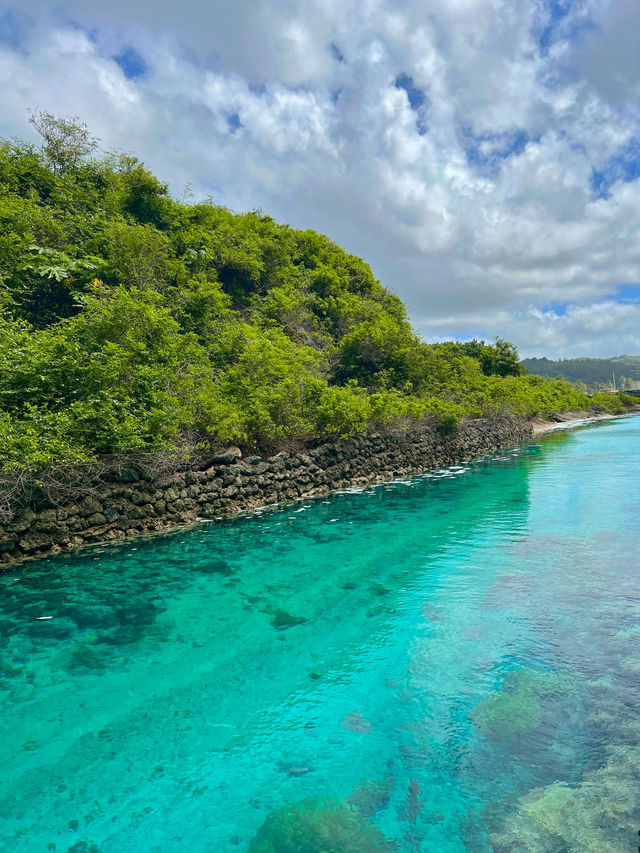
(592,371)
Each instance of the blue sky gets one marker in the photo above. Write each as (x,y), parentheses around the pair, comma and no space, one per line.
(482,155)
(132,63)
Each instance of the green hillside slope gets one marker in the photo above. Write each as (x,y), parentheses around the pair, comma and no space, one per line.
(594,372)
(131,322)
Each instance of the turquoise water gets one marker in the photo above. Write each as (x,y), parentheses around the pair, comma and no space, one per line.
(458,654)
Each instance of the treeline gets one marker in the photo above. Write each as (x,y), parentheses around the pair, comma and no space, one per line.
(593,372)
(131,322)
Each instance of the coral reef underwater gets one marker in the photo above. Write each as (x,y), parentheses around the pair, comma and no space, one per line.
(600,815)
(318,826)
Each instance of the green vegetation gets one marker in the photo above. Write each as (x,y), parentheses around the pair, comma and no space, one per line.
(592,372)
(130,322)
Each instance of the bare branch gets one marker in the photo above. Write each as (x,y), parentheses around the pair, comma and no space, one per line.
(66,139)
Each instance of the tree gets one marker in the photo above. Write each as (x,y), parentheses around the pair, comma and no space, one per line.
(501,359)
(66,139)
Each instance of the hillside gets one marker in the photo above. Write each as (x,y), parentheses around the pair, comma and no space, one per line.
(131,322)
(594,372)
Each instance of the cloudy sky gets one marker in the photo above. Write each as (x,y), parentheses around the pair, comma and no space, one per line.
(482,155)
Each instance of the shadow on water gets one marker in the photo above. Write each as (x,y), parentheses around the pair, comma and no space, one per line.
(395,669)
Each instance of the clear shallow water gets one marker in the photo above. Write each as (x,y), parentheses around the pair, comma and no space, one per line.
(461,650)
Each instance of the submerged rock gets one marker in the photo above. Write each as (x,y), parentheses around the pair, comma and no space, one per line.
(509,588)
(501,714)
(371,796)
(601,815)
(298,771)
(83,846)
(515,708)
(86,656)
(137,613)
(125,635)
(356,723)
(99,616)
(215,567)
(318,826)
(283,620)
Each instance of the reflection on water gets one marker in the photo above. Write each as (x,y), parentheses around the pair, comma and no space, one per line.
(448,663)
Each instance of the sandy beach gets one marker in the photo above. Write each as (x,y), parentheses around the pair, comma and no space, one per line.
(568,420)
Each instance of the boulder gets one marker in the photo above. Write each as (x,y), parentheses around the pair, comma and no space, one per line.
(228,456)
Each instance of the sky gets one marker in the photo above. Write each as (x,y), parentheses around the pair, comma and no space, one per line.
(482,155)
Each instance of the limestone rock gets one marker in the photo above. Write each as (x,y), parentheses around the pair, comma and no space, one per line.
(228,456)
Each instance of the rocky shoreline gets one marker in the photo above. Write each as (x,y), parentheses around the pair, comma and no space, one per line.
(232,484)
(135,503)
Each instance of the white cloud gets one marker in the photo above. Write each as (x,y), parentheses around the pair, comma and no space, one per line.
(601,329)
(608,58)
(478,223)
